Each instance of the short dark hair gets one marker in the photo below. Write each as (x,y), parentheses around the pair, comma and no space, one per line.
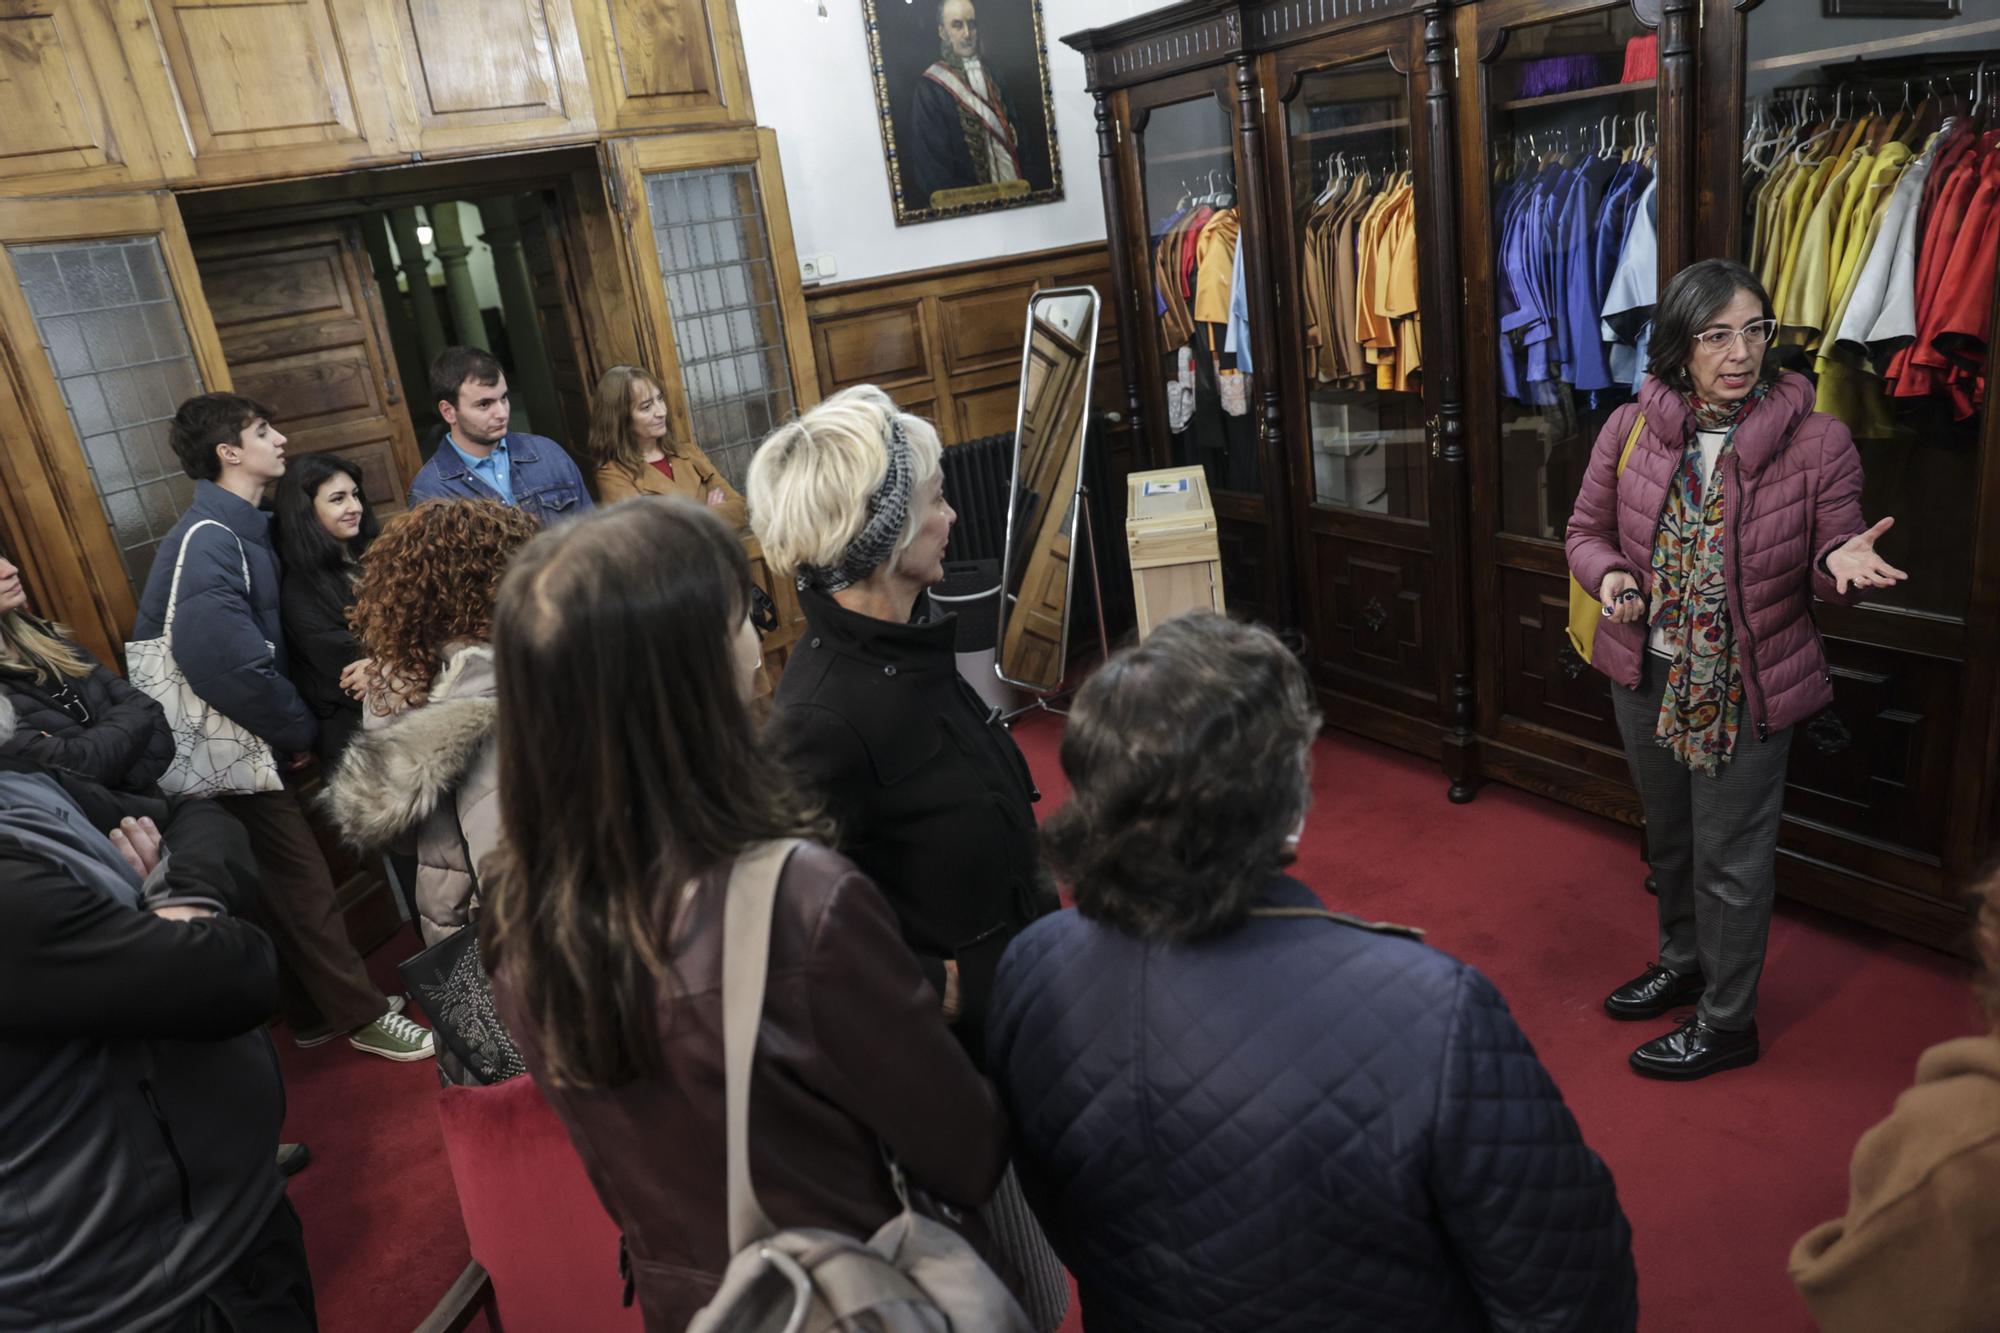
(205,421)
(1187,758)
(455,365)
(1692,299)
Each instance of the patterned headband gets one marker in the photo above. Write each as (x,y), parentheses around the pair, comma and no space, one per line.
(888,511)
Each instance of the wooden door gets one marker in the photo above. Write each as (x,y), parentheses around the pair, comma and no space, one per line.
(1363,398)
(302,329)
(103,331)
(253,89)
(547,253)
(1182,143)
(721,315)
(1544,715)
(665,64)
(488,73)
(70,119)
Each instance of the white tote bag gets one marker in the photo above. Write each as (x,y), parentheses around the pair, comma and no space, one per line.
(212,755)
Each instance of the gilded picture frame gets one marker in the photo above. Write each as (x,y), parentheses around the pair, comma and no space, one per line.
(963,99)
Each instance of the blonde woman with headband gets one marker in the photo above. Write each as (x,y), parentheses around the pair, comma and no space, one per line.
(634,456)
(930,795)
(75,717)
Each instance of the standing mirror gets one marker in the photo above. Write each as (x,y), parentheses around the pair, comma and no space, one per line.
(1037,574)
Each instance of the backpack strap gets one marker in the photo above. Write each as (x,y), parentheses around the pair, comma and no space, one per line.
(747,907)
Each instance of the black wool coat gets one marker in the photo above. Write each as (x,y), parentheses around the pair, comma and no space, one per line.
(932,798)
(98,728)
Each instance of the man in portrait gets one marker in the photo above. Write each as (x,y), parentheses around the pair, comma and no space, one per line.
(962,123)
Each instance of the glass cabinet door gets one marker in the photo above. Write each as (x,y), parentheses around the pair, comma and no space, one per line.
(1354,222)
(1839,179)
(1573,116)
(1187,168)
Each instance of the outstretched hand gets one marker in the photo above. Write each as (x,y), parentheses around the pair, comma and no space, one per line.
(1854,563)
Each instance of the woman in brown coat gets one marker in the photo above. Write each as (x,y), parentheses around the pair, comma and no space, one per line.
(623,815)
(1916,1251)
(628,441)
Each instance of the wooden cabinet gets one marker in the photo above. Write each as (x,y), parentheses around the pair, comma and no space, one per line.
(488,73)
(1425,539)
(665,64)
(259,88)
(70,118)
(109,94)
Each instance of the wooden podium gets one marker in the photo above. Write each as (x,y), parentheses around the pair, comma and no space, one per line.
(1171,536)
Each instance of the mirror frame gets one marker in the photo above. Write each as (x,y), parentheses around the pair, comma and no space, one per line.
(1076,496)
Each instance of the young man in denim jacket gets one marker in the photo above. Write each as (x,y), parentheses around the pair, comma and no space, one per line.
(478,459)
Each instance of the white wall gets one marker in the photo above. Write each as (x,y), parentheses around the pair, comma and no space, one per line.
(811,83)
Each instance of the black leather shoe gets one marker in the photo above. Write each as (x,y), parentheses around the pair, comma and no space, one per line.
(1696,1050)
(1653,992)
(292,1158)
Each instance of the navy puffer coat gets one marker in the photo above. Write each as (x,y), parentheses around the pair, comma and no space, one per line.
(1300,1125)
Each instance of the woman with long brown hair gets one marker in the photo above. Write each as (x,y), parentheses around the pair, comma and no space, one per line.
(424,762)
(75,716)
(634,456)
(624,814)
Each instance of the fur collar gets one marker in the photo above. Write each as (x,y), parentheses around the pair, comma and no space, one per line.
(390,780)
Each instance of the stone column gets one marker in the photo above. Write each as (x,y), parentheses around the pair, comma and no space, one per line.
(531,376)
(416,273)
(448,238)
(411,365)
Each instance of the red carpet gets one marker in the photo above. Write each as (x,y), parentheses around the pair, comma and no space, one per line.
(1718,1177)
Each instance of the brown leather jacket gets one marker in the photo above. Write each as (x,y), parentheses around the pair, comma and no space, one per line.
(853,1053)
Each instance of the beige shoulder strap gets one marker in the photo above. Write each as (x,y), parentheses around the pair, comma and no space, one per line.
(746,959)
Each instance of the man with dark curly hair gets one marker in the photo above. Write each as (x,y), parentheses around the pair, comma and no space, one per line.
(216,577)
(1235,1110)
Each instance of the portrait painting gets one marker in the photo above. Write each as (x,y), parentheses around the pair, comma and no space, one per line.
(962,94)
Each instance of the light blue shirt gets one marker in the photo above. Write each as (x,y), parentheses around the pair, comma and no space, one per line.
(494,469)
(1237,338)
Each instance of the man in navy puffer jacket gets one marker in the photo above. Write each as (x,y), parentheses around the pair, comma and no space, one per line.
(1234,1113)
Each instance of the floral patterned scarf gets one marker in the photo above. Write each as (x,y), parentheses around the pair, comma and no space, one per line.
(1703,706)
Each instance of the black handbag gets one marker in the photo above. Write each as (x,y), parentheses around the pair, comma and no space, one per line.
(449,980)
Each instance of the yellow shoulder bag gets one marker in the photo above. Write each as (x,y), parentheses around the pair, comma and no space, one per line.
(1585,611)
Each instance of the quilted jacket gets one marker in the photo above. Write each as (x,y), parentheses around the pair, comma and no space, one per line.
(98,728)
(1298,1125)
(1791,495)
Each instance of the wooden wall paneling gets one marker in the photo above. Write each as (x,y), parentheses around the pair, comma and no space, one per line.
(256,89)
(301,327)
(886,345)
(949,338)
(665,64)
(479,74)
(70,115)
(58,516)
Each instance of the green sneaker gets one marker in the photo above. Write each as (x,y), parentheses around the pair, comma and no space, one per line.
(320,1036)
(394,1037)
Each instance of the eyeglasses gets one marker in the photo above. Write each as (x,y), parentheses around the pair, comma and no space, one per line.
(1754,334)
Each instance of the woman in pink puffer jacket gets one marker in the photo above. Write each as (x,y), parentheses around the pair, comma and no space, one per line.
(1738,505)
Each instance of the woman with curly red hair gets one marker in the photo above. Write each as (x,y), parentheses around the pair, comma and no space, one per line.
(424,762)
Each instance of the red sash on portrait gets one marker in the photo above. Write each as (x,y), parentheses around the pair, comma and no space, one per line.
(986,108)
